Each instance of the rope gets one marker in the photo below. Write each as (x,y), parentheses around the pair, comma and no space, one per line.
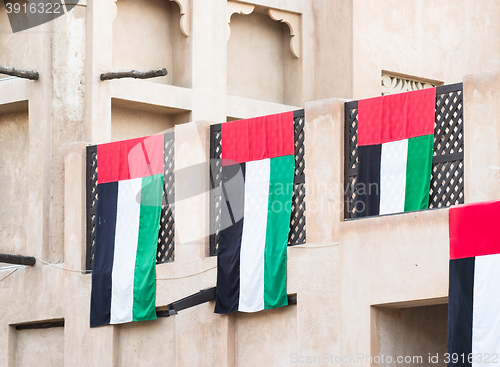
(319,246)
(189,275)
(61,267)
(8,275)
(89,271)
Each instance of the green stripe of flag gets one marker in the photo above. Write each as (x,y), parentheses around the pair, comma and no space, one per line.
(278,223)
(418,172)
(145,272)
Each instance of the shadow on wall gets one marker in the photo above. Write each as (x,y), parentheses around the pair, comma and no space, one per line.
(411,334)
(260,64)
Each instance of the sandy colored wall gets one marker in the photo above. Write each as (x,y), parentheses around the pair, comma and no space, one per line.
(441,40)
(152,40)
(410,333)
(42,347)
(15,46)
(14,210)
(143,42)
(255,58)
(127,123)
(260,64)
(345,270)
(268,338)
(147,344)
(333,22)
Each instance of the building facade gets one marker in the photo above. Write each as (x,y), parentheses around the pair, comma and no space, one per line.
(364,288)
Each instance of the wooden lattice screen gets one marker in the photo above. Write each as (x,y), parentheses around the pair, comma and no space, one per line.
(447,180)
(166,236)
(297,233)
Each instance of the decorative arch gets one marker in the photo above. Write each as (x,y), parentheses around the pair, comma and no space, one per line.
(292,20)
(185,10)
(185,22)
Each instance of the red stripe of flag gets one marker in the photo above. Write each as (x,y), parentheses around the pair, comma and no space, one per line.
(257,138)
(474,230)
(124,160)
(396,117)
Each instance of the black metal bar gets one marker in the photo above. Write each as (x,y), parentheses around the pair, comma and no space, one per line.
(300,179)
(351,104)
(203,296)
(352,171)
(215,127)
(299,113)
(196,299)
(17,259)
(169,136)
(449,88)
(448,157)
(41,325)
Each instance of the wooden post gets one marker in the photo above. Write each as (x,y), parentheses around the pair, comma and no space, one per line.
(17,259)
(134,74)
(26,74)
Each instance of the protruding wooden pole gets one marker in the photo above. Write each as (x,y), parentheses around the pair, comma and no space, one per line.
(26,74)
(17,259)
(134,74)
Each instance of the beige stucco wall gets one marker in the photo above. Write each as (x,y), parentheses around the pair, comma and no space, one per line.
(259,62)
(410,333)
(127,123)
(359,284)
(441,40)
(39,347)
(333,35)
(15,47)
(143,36)
(255,58)
(14,137)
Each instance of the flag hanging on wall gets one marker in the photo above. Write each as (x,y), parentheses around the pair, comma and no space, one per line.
(258,167)
(130,189)
(474,293)
(395,147)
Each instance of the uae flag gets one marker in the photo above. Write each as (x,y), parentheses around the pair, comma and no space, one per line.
(395,146)
(474,293)
(130,190)
(258,167)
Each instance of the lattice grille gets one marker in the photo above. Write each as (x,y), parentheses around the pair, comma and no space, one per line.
(353,138)
(166,237)
(447,184)
(448,133)
(299,145)
(216,181)
(216,159)
(92,196)
(297,234)
(447,179)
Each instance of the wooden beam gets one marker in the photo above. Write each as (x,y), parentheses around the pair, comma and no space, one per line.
(17,259)
(47,324)
(196,299)
(134,74)
(20,73)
